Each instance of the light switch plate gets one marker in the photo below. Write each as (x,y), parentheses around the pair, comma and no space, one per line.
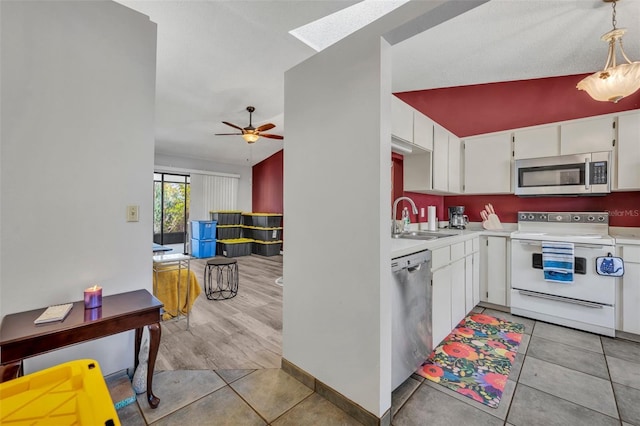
(132,213)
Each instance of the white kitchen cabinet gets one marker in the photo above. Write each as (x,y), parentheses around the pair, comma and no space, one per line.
(453,285)
(401,120)
(468,283)
(440,158)
(627,165)
(476,279)
(589,135)
(487,164)
(536,142)
(447,163)
(441,304)
(422,131)
(472,274)
(417,172)
(454,160)
(458,287)
(630,288)
(494,267)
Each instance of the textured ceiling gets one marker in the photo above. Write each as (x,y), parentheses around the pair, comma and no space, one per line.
(216,57)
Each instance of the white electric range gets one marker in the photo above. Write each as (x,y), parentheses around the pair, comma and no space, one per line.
(588,301)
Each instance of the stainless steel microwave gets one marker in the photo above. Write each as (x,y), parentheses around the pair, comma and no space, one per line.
(577,174)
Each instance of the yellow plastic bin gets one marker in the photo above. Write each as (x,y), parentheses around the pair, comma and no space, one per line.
(73,393)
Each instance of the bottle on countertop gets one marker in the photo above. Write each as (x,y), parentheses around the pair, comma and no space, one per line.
(406,221)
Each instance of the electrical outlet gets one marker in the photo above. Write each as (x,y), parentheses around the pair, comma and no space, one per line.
(132,213)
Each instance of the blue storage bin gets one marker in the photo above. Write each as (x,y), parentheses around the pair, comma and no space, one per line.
(203,248)
(203,229)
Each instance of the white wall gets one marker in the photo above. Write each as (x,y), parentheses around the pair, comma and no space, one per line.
(245,172)
(77,139)
(333,203)
(337,189)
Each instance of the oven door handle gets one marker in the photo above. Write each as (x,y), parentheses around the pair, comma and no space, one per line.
(586,246)
(560,299)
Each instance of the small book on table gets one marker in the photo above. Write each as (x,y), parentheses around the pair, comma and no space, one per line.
(54,313)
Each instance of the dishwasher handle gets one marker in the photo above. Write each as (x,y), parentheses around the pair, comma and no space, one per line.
(416,267)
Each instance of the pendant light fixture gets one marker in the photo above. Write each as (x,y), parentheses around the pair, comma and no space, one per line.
(614,82)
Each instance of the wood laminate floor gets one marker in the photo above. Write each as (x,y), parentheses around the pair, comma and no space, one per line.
(244,332)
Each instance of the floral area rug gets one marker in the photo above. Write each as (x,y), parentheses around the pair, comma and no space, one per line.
(476,358)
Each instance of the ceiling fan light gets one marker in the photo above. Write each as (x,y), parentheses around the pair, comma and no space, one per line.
(250,137)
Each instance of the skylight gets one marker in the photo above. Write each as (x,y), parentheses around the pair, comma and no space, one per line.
(330,29)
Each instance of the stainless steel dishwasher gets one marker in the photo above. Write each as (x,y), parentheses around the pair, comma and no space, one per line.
(411,335)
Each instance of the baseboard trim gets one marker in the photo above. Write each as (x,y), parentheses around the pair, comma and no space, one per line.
(336,398)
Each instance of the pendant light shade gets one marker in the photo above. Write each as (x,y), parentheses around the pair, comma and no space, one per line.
(614,82)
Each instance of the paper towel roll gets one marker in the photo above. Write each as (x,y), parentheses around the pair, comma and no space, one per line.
(431,218)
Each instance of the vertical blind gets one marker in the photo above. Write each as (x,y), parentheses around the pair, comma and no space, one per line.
(211,192)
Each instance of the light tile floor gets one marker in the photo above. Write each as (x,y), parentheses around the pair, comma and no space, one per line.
(560,377)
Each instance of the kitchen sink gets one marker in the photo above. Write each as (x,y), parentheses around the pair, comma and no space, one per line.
(421,235)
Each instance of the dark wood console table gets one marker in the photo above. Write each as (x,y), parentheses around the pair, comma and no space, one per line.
(20,338)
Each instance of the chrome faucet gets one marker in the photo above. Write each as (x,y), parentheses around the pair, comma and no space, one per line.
(394,225)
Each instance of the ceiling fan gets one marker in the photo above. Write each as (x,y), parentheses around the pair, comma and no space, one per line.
(250,133)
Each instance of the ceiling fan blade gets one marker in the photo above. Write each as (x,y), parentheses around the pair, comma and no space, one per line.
(233,125)
(228,134)
(266,135)
(264,127)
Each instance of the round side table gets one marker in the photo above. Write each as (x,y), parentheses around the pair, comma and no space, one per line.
(225,272)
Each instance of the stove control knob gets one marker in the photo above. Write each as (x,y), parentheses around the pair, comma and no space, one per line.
(600,218)
(558,218)
(543,217)
(591,218)
(576,218)
(523,217)
(531,217)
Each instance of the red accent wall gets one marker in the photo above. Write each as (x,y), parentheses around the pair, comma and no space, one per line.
(486,108)
(623,207)
(266,194)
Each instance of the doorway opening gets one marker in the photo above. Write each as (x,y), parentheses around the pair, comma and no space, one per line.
(171,193)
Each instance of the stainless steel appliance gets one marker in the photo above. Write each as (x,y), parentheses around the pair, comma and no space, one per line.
(586,303)
(457,218)
(411,314)
(579,174)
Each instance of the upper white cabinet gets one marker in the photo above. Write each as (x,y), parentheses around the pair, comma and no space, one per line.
(455,164)
(628,152)
(440,159)
(590,135)
(422,131)
(487,164)
(401,120)
(536,142)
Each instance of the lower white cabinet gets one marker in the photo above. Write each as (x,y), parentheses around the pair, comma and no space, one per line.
(458,289)
(455,285)
(630,288)
(494,268)
(441,304)
(476,279)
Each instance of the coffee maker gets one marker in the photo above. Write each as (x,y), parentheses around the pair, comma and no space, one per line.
(457,218)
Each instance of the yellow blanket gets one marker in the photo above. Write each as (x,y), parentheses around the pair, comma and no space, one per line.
(166,290)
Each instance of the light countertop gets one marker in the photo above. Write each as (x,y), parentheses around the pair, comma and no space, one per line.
(625,235)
